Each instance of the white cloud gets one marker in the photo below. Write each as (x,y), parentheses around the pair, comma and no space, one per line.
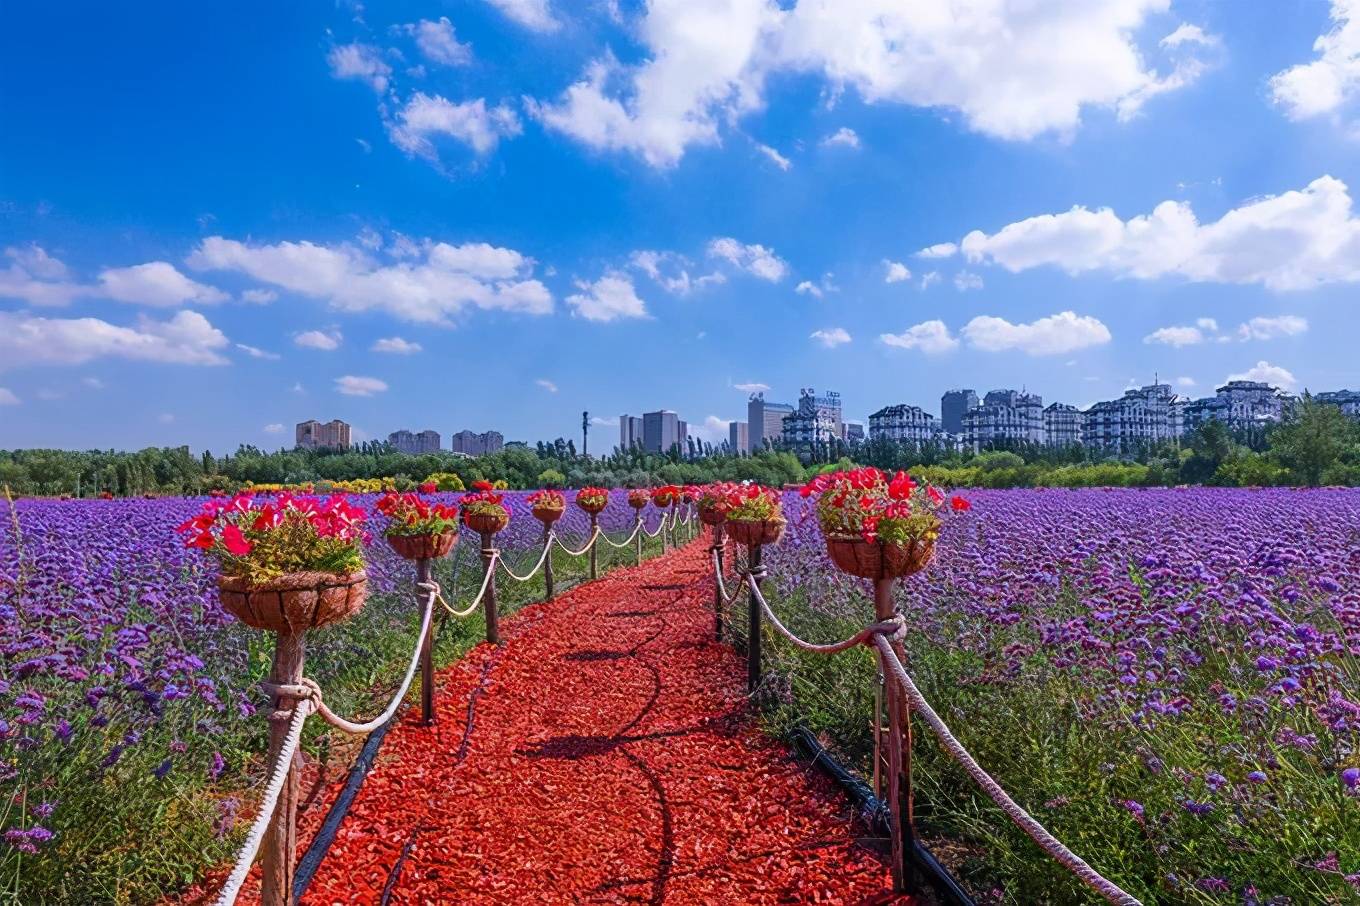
(751,387)
(754,259)
(831,337)
(256,353)
(1271,328)
(363,62)
(930,279)
(931,337)
(1175,336)
(351,385)
(607,421)
(37,278)
(1186,33)
(966,280)
(259,296)
(844,136)
(607,299)
(1208,324)
(1014,71)
(396,346)
(7,397)
(1328,82)
(186,338)
(938,250)
(1053,335)
(156,283)
(895,271)
(425,117)
(437,42)
(671,271)
(546,385)
(532,14)
(429,285)
(1294,241)
(1270,374)
(713,429)
(808,288)
(273,428)
(779,160)
(325,340)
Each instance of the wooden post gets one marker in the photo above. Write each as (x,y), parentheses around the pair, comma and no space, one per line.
(426,654)
(280,842)
(640,532)
(594,546)
(753,625)
(493,632)
(898,731)
(665,535)
(547,562)
(718,602)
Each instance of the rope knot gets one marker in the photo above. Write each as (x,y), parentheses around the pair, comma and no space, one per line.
(430,587)
(304,693)
(758,573)
(894,628)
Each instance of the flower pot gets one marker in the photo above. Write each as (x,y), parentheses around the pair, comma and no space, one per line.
(423,547)
(637,503)
(753,532)
(662,500)
(546,514)
(876,559)
(486,523)
(294,602)
(712,515)
(594,507)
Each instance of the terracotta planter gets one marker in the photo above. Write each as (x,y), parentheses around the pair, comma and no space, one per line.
(295,602)
(877,560)
(750,533)
(547,515)
(638,503)
(663,500)
(594,507)
(712,516)
(423,547)
(486,523)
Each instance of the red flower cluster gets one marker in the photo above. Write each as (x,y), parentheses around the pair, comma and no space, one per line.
(717,496)
(665,495)
(334,517)
(411,515)
(547,499)
(591,496)
(867,502)
(484,499)
(429,487)
(638,497)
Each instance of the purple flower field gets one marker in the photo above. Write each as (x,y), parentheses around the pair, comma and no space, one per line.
(126,692)
(1167,678)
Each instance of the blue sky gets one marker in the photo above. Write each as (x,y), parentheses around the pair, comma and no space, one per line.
(216,222)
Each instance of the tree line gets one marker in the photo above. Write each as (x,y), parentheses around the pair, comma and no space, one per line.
(1317,445)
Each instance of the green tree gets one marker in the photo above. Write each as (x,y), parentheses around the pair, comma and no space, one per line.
(1312,440)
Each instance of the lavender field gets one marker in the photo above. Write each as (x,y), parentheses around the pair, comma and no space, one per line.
(1168,679)
(130,746)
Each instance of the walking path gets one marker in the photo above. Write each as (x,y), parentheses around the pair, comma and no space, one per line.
(604,754)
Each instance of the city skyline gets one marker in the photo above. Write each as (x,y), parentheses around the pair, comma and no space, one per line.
(385,215)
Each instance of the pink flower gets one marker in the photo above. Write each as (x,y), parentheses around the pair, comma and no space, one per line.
(235,542)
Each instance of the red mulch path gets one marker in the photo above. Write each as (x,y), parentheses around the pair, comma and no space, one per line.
(604,754)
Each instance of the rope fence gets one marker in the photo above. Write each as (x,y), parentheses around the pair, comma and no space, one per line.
(306,697)
(885,637)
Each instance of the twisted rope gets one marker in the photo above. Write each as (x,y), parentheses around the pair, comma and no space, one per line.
(894,628)
(637,526)
(660,527)
(232,888)
(718,576)
(594,536)
(542,558)
(477,601)
(1032,828)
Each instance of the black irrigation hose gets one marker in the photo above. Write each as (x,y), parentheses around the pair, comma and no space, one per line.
(876,814)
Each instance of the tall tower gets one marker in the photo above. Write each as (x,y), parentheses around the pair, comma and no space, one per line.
(585,432)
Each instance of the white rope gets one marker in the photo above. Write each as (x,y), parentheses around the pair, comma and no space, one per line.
(272,791)
(477,601)
(661,527)
(722,586)
(637,526)
(894,627)
(1036,831)
(589,544)
(542,558)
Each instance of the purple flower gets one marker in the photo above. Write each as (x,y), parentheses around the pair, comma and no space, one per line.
(1351,777)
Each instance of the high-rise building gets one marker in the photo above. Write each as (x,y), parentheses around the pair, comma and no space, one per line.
(474,444)
(817,420)
(661,431)
(764,421)
(738,437)
(902,423)
(1151,414)
(1062,425)
(952,407)
(1348,401)
(630,432)
(853,433)
(682,435)
(1239,405)
(414,442)
(1004,416)
(313,434)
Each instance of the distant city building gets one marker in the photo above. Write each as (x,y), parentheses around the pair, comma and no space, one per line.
(474,444)
(738,437)
(853,433)
(661,431)
(1239,405)
(682,435)
(1062,425)
(764,421)
(630,432)
(1004,417)
(1151,414)
(817,420)
(953,405)
(313,435)
(902,423)
(414,442)
(1348,401)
